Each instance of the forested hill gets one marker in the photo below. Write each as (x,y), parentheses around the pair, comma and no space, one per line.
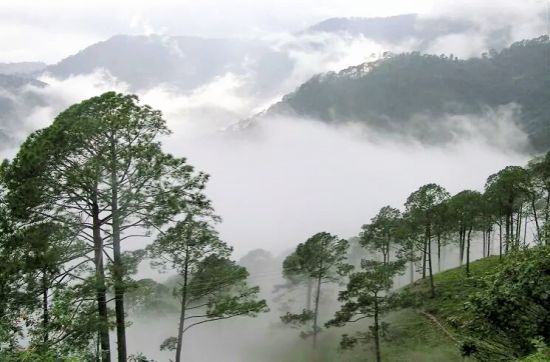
(12,95)
(389,94)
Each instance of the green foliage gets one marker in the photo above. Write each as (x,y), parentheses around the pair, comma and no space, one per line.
(321,259)
(514,307)
(211,286)
(383,232)
(542,353)
(367,296)
(149,296)
(323,256)
(421,203)
(99,174)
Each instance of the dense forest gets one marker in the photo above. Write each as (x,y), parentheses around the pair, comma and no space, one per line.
(81,189)
(404,93)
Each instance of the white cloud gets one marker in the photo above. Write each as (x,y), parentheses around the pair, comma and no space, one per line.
(291,178)
(49,31)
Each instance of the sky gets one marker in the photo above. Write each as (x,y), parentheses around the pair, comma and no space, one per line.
(39,30)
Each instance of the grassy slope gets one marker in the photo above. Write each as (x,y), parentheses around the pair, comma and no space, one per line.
(412,337)
(453,289)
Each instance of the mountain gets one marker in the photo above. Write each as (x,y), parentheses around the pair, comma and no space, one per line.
(15,83)
(22,68)
(183,62)
(410,93)
(402,28)
(186,62)
(15,102)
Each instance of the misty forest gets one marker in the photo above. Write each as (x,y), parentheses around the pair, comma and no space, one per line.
(361,188)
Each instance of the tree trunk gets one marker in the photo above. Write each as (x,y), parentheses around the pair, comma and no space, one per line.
(183,308)
(45,309)
(376,329)
(461,244)
(489,242)
(484,247)
(429,244)
(316,312)
(468,242)
(424,255)
(507,238)
(546,215)
(500,239)
(118,267)
(438,252)
(101,289)
(519,220)
(525,232)
(309,293)
(539,236)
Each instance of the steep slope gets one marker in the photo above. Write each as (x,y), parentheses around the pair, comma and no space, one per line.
(408,93)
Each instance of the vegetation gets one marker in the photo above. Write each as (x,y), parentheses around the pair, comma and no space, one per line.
(212,287)
(366,297)
(321,259)
(98,177)
(402,94)
(75,191)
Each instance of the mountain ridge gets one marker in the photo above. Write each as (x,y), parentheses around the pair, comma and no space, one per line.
(392,91)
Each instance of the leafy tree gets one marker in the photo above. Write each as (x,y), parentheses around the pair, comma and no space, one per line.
(442,227)
(539,170)
(212,287)
(41,301)
(99,169)
(12,300)
(149,296)
(466,210)
(323,258)
(381,234)
(421,210)
(367,296)
(507,191)
(296,275)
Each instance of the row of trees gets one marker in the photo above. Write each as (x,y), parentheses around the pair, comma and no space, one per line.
(75,192)
(511,213)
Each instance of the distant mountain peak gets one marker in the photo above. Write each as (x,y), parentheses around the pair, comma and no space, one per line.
(22,68)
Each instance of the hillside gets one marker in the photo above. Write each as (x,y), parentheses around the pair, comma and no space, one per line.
(402,28)
(12,96)
(22,68)
(181,61)
(404,93)
(418,333)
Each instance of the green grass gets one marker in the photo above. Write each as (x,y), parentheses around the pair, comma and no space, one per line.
(412,337)
(453,288)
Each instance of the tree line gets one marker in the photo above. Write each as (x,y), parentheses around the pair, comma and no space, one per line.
(509,215)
